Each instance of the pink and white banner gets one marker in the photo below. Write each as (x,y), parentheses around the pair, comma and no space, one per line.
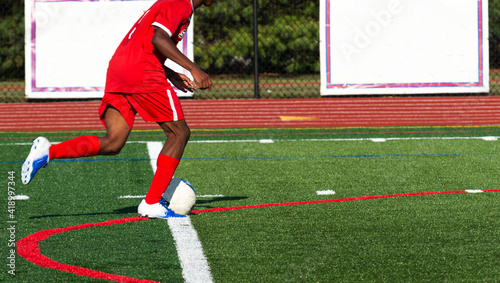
(403,46)
(69,44)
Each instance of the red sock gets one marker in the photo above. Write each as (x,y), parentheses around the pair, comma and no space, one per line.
(78,147)
(165,168)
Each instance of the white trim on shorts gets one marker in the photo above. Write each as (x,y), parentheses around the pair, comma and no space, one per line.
(172,105)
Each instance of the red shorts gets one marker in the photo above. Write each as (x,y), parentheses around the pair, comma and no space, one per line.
(152,107)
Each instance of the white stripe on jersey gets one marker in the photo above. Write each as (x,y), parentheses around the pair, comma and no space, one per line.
(172,105)
(132,32)
(163,28)
(140,20)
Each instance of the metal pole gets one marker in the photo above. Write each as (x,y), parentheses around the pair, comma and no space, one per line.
(256,48)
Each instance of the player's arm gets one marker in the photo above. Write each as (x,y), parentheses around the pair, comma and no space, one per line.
(162,42)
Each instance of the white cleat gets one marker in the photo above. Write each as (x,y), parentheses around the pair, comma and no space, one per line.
(156,210)
(38,158)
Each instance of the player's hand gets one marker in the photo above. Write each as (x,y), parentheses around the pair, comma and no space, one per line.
(202,78)
(182,82)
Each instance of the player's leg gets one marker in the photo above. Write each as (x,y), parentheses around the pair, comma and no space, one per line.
(83,146)
(178,134)
(117,132)
(177,137)
(42,151)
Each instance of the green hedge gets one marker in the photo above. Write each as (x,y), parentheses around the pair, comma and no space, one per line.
(11,39)
(494,32)
(288,36)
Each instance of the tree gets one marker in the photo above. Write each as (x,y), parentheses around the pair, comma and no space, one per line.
(12,39)
(288,36)
(494,32)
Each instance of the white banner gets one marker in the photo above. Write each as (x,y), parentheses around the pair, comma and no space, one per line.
(403,46)
(69,44)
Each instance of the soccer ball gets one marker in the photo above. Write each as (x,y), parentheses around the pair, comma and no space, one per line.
(180,196)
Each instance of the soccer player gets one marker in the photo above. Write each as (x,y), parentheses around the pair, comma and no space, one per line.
(136,82)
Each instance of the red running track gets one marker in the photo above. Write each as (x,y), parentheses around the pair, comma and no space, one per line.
(320,112)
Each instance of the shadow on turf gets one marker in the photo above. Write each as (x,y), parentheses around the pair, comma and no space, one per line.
(133,209)
(125,210)
(204,202)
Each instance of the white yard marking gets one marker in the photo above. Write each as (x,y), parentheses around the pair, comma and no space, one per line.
(474,191)
(378,140)
(154,149)
(266,141)
(209,196)
(326,192)
(193,262)
(129,196)
(20,197)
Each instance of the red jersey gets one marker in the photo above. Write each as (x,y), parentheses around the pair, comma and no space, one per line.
(135,68)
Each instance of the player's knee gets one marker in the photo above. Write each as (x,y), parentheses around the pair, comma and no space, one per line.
(110,149)
(114,149)
(180,135)
(186,133)
(111,145)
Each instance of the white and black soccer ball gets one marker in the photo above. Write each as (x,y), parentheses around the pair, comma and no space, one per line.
(180,195)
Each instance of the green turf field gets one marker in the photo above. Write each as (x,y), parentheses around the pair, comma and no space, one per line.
(426,238)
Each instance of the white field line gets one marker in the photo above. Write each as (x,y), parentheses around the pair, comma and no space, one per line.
(210,196)
(485,138)
(474,191)
(129,196)
(154,149)
(193,262)
(401,139)
(20,197)
(325,192)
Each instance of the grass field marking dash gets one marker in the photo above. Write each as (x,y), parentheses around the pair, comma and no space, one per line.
(189,250)
(210,196)
(474,191)
(20,197)
(325,192)
(129,196)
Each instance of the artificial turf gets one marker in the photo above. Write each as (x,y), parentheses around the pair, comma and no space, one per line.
(426,238)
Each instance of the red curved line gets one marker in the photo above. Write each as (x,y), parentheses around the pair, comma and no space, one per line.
(328,200)
(29,249)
